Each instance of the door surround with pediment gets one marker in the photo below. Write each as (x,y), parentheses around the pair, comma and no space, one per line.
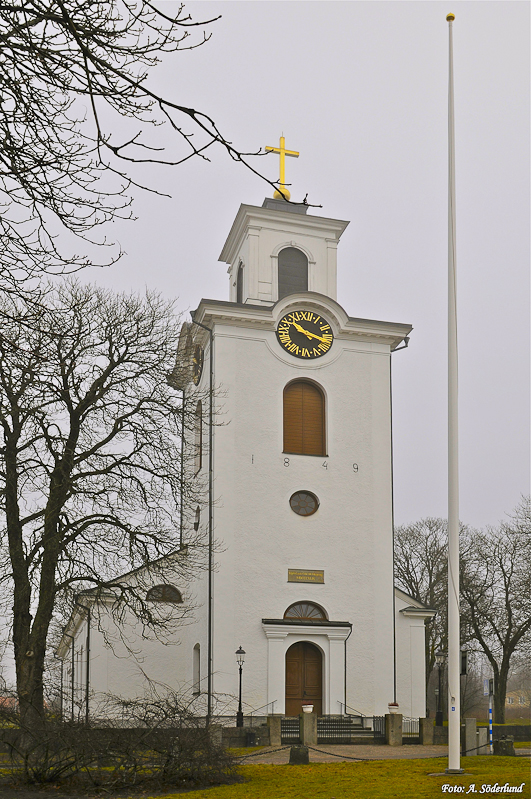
(328,637)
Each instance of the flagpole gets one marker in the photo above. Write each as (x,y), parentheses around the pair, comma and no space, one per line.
(454,710)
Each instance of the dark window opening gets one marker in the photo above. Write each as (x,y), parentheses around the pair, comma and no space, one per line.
(292,272)
(239,284)
(164,593)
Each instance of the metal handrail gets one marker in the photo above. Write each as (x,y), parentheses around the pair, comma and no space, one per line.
(256,709)
(354,712)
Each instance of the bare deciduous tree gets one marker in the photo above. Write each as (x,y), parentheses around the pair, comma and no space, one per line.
(90,464)
(495,584)
(76,99)
(520,519)
(472,687)
(496,594)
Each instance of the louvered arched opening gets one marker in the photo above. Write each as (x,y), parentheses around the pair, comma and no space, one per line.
(304,419)
(292,272)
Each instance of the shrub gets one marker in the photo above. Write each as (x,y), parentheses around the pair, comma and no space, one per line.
(154,741)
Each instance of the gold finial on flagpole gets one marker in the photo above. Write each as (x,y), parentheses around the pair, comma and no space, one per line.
(450,17)
(282,180)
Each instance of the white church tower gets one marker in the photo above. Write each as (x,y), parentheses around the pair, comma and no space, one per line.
(300,476)
(302,480)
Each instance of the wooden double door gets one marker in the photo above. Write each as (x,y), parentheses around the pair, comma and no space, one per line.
(304,678)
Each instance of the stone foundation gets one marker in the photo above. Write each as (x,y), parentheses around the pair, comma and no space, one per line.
(237,737)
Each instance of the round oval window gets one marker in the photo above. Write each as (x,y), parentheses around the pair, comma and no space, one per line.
(304,503)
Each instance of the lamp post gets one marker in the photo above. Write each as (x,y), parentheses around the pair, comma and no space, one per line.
(440,657)
(240,653)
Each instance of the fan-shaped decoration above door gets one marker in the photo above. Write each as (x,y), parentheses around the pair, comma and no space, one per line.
(305,611)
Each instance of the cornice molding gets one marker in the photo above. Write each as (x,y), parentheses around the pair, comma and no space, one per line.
(281,628)
(222,312)
(418,612)
(253,216)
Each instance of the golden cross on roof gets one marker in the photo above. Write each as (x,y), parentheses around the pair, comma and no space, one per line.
(282,180)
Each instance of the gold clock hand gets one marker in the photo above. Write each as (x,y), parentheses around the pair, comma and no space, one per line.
(307,333)
(302,330)
(313,335)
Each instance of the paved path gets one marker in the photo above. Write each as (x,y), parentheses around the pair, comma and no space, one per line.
(335,753)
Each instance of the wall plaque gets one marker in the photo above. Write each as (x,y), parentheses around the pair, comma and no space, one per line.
(305,576)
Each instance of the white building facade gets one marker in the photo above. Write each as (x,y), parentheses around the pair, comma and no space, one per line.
(301,489)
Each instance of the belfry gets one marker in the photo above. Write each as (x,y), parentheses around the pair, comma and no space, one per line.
(297,478)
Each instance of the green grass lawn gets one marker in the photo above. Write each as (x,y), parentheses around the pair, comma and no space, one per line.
(244,751)
(513,723)
(383,779)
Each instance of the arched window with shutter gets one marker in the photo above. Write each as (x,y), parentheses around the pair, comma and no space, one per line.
(304,419)
(292,272)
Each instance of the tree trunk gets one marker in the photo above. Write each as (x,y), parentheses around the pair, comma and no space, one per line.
(30,670)
(500,690)
(29,660)
(31,735)
(499,709)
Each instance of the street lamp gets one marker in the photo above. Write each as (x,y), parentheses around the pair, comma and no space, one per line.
(240,661)
(440,657)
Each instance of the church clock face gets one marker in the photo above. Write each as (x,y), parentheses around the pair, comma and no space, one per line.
(305,334)
(197,364)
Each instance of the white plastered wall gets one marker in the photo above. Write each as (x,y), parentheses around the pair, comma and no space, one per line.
(350,537)
(410,657)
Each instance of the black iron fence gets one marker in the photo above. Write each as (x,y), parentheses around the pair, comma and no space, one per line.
(410,729)
(290,730)
(378,727)
(337,729)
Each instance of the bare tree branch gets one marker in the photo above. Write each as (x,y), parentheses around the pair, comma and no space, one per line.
(72,74)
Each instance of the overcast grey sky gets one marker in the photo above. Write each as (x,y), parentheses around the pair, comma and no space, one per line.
(360,89)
